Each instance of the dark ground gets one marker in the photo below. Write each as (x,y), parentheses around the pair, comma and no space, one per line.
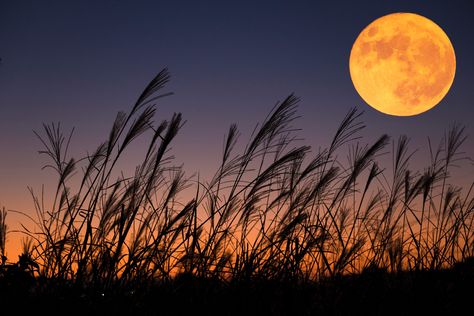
(443,292)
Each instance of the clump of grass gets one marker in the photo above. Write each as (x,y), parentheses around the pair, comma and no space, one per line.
(273,211)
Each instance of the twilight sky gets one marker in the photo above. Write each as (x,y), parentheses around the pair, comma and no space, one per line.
(79,62)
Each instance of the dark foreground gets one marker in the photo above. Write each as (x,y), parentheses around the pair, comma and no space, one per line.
(448,292)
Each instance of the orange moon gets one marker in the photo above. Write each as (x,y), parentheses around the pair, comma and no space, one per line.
(402,64)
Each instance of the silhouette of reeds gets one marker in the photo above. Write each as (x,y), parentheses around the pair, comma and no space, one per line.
(273,211)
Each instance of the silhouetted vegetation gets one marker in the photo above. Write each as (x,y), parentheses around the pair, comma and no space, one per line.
(278,229)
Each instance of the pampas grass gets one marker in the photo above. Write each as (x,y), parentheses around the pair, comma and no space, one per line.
(272,211)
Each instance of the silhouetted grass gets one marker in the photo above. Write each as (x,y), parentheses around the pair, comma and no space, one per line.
(276,221)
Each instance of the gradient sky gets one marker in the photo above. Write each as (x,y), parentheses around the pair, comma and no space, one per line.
(79,62)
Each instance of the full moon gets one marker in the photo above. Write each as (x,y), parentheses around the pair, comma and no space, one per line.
(402,64)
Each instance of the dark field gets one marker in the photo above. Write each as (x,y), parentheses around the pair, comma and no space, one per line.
(445,292)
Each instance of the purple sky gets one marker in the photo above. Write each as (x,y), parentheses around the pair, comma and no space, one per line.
(79,62)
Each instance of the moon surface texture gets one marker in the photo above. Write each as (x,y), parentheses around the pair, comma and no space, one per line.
(402,64)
